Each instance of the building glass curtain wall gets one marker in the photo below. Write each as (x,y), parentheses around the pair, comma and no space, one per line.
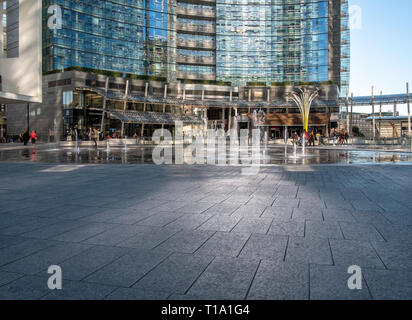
(231,41)
(3,26)
(272,41)
(128,36)
(216,58)
(345,48)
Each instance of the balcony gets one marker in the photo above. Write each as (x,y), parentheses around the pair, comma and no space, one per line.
(196,76)
(189,12)
(189,27)
(196,44)
(191,59)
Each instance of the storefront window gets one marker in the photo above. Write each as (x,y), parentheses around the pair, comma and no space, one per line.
(68,99)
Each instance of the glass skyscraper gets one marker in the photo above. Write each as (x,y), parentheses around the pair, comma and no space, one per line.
(127,36)
(241,42)
(272,41)
(127,65)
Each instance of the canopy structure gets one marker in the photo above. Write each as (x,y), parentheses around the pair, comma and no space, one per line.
(111,95)
(388,118)
(387,99)
(153,117)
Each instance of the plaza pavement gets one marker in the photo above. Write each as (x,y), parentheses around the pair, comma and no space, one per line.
(205,232)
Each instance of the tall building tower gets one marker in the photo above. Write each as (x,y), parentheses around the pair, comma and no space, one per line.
(214,60)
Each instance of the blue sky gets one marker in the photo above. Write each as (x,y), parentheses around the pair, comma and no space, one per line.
(381,50)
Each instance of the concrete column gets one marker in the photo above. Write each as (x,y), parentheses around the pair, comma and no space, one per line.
(163,125)
(164,107)
(106,88)
(184,93)
(231,95)
(203,95)
(394,109)
(126,92)
(347,110)
(28,118)
(268,95)
(146,93)
(250,95)
(409,109)
(351,114)
(373,116)
(380,115)
(223,116)
(230,118)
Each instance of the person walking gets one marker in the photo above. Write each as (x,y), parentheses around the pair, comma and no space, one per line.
(33,136)
(346,137)
(95,136)
(26,137)
(311,139)
(341,137)
(295,138)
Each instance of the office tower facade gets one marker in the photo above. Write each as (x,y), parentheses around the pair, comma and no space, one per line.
(213,59)
(20,51)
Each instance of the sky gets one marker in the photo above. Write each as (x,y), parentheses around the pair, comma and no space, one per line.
(381,49)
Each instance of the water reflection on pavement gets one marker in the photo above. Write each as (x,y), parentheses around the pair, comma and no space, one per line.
(273,155)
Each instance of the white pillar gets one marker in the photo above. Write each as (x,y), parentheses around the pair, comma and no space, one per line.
(146,93)
(347,110)
(351,114)
(106,88)
(126,92)
(409,109)
(380,115)
(373,116)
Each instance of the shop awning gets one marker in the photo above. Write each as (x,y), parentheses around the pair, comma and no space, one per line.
(153,117)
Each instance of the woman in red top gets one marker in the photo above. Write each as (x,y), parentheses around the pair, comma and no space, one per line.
(33,136)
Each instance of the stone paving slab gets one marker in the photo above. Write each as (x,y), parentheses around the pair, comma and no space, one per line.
(199,232)
(42,259)
(225,278)
(277,280)
(127,270)
(89,261)
(308,250)
(176,274)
